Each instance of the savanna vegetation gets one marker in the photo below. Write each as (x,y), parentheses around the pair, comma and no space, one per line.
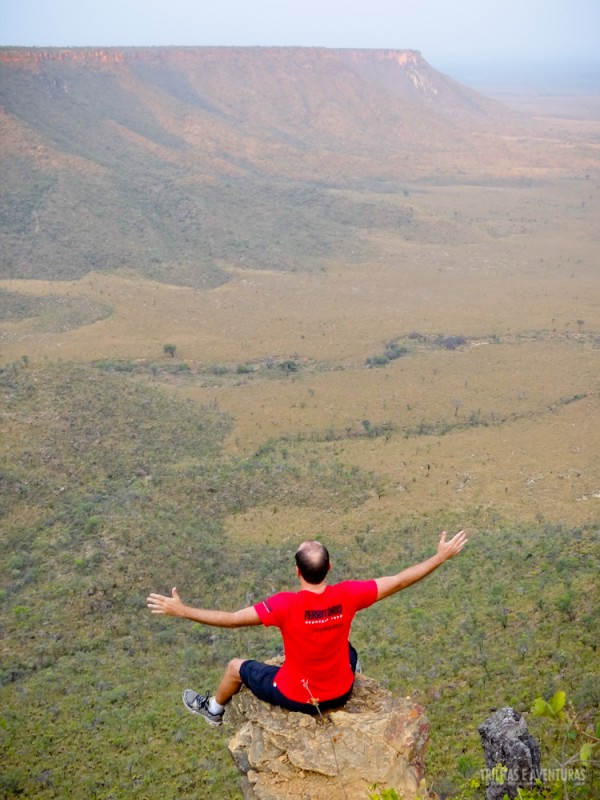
(112,488)
(232,317)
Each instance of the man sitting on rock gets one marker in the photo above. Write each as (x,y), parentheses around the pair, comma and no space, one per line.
(319,666)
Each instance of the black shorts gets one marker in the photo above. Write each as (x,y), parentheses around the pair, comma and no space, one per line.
(260,677)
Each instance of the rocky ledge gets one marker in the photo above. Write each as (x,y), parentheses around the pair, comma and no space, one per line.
(376,739)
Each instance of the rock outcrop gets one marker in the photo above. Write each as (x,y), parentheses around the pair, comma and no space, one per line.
(375,739)
(507,743)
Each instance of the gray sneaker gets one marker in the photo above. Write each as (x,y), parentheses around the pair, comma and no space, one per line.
(198,704)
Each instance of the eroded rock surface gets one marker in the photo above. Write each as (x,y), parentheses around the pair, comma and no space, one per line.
(507,742)
(375,738)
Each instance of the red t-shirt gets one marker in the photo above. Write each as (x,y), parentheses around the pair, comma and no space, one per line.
(315,629)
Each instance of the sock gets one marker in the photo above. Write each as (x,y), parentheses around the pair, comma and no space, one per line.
(214,707)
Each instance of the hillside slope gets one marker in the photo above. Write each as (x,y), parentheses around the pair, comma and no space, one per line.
(178,163)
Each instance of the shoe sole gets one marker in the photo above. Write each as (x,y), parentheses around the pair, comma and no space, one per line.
(214,723)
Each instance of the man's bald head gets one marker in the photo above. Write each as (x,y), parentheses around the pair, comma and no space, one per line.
(312,559)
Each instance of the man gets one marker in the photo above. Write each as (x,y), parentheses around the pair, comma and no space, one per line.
(318,670)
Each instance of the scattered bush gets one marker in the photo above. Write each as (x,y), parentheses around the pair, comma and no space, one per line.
(392,351)
(452,342)
(244,369)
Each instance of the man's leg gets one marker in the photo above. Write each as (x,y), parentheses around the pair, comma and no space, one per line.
(212,708)
(231,682)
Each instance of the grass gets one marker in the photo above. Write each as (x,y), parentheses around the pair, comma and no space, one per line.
(126,471)
(116,488)
(121,479)
(51,314)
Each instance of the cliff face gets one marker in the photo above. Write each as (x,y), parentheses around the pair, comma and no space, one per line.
(375,739)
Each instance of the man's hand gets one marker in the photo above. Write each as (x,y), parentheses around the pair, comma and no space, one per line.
(159,604)
(452,548)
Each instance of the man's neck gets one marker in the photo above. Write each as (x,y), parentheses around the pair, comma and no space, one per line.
(316,588)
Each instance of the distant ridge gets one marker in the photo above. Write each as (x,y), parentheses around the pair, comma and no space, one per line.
(180,162)
(270,83)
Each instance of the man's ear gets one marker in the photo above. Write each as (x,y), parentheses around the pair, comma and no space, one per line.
(330,566)
(298,571)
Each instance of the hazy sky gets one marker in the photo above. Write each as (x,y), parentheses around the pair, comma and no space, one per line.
(457,32)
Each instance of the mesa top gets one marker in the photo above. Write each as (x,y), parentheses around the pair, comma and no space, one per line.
(315,629)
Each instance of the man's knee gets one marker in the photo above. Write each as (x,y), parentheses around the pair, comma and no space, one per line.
(233,668)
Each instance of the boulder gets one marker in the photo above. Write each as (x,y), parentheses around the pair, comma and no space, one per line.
(507,742)
(375,739)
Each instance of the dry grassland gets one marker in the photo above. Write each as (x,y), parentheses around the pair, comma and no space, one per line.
(513,267)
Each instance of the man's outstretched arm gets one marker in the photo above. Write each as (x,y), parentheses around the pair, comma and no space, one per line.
(446,550)
(173,607)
